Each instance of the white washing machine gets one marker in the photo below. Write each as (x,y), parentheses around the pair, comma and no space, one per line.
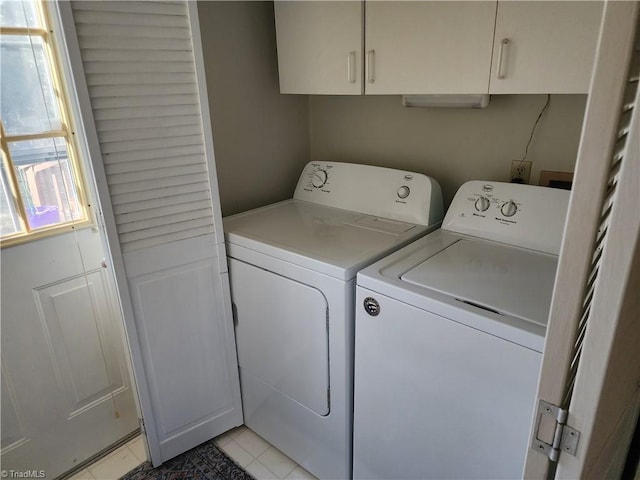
(449,338)
(292,267)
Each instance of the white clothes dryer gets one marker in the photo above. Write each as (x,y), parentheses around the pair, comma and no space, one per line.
(449,338)
(292,267)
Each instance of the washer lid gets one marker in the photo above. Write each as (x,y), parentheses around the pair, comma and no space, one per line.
(500,278)
(326,239)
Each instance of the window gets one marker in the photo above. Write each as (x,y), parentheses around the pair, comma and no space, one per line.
(40,188)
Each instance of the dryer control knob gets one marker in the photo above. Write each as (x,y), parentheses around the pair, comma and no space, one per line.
(319,178)
(482,204)
(404,191)
(509,208)
(371,306)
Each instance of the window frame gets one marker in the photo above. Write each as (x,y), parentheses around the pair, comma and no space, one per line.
(67,132)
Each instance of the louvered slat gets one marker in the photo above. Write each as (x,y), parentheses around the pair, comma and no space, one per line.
(134,43)
(168,238)
(140,70)
(161,202)
(149,133)
(162,230)
(135,197)
(153,8)
(156,173)
(618,156)
(178,218)
(142,113)
(148,144)
(150,154)
(126,218)
(156,184)
(139,32)
(156,164)
(147,122)
(122,19)
(140,67)
(94,80)
(144,101)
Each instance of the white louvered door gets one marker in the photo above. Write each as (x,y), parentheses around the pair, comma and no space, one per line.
(591,365)
(139,73)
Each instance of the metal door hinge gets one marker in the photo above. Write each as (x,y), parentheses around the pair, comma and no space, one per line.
(551,434)
(142,430)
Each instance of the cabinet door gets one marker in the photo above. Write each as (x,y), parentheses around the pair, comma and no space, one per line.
(545,47)
(319,47)
(428,47)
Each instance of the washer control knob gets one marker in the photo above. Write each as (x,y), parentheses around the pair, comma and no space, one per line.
(404,191)
(319,178)
(371,306)
(509,208)
(482,204)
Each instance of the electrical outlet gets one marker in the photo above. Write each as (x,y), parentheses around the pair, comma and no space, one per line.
(520,171)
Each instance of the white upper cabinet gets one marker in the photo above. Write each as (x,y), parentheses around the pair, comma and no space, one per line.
(428,47)
(544,47)
(436,47)
(319,47)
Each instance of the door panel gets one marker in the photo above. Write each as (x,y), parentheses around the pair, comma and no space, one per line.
(64,370)
(76,345)
(428,47)
(282,334)
(319,47)
(173,308)
(551,46)
(12,433)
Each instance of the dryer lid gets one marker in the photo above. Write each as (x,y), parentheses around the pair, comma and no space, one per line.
(325,239)
(500,278)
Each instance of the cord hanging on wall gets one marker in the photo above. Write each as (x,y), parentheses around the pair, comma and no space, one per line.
(535,125)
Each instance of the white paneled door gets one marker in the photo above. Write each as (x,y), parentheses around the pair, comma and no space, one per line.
(66,393)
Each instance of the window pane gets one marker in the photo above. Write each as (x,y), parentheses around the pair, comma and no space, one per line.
(9,222)
(45,182)
(27,98)
(18,13)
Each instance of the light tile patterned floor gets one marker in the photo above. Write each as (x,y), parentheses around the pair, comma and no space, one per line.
(117,463)
(259,457)
(251,452)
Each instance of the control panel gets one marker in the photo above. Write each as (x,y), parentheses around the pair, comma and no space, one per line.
(521,215)
(385,192)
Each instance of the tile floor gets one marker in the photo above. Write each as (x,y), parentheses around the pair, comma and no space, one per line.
(258,457)
(117,463)
(251,452)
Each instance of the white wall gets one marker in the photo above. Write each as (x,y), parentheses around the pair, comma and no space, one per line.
(261,138)
(451,145)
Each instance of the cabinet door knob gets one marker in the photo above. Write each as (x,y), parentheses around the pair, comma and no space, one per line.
(351,67)
(371,57)
(501,58)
